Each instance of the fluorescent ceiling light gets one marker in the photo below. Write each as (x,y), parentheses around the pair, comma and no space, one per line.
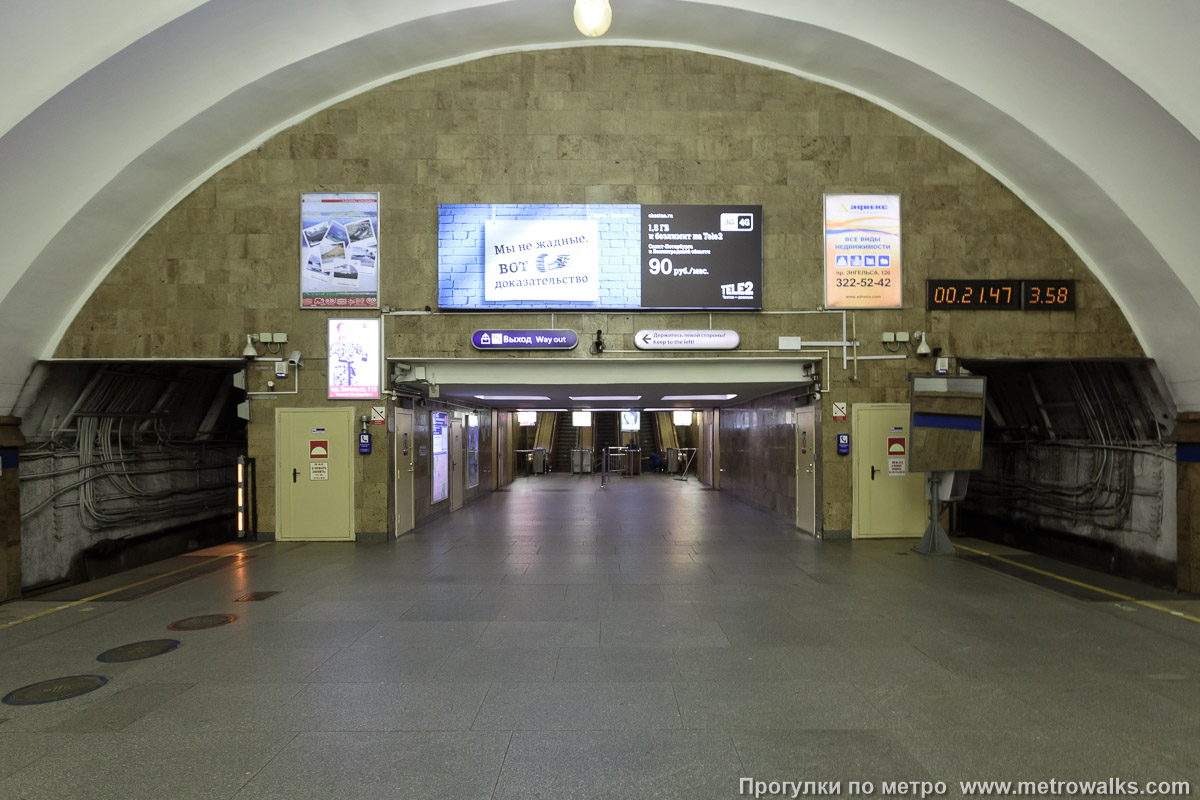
(608,397)
(509,397)
(698,396)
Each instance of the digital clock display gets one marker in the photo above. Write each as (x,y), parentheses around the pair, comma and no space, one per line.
(1005,294)
(1050,295)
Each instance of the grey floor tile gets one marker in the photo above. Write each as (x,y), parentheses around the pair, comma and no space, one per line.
(214,663)
(653,632)
(576,633)
(19,750)
(382,766)
(578,706)
(373,610)
(135,766)
(589,765)
(451,610)
(482,664)
(422,634)
(949,702)
(616,664)
(383,664)
(753,664)
(120,708)
(534,611)
(799,705)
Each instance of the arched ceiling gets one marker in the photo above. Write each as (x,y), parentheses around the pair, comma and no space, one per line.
(1087,109)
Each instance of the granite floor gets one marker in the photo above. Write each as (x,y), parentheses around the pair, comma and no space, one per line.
(559,640)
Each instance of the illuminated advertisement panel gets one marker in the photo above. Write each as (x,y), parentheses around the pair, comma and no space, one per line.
(439,473)
(339,250)
(354,359)
(604,256)
(862,251)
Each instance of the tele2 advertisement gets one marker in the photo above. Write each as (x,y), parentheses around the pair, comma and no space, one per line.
(603,256)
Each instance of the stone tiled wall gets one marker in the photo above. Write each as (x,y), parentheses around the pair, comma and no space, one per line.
(590,125)
(758,452)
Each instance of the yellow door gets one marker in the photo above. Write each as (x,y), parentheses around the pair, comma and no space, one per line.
(888,500)
(314,474)
(405,461)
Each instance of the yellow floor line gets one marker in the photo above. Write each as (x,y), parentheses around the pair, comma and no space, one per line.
(1118,595)
(74,603)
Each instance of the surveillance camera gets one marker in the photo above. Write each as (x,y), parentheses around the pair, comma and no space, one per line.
(923,349)
(281,369)
(294,358)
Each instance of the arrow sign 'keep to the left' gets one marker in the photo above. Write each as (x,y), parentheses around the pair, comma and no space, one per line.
(703,339)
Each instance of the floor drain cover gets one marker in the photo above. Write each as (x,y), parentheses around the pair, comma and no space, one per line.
(247,598)
(202,622)
(54,690)
(138,651)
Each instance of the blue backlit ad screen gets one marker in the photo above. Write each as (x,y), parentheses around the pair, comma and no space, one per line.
(599,256)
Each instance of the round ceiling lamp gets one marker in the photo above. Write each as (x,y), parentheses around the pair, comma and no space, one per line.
(593,17)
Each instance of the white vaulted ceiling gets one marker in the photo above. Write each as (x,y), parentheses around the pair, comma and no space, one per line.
(1088,109)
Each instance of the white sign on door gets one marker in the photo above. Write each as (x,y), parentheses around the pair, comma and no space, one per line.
(318,471)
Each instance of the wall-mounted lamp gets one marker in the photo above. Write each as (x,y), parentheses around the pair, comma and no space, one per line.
(592,17)
(249,351)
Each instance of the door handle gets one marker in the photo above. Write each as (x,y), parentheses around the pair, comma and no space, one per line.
(295,472)
(873,471)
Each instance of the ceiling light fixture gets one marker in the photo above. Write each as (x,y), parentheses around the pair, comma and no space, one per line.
(592,17)
(698,396)
(602,397)
(513,397)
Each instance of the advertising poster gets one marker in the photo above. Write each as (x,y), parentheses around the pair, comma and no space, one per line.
(862,251)
(472,451)
(439,474)
(541,260)
(507,256)
(339,250)
(354,366)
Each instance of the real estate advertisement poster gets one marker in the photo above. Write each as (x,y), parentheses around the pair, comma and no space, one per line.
(862,251)
(339,250)
(354,366)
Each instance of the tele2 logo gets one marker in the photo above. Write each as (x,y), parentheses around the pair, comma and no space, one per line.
(738,291)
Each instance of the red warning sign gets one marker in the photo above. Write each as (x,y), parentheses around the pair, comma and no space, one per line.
(895,446)
(318,448)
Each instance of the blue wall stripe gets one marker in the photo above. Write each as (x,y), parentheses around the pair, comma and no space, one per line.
(948,422)
(1188,453)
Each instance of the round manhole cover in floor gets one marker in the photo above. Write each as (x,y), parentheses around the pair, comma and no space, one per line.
(54,690)
(138,651)
(201,622)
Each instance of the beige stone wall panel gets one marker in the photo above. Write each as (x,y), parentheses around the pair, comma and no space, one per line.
(594,124)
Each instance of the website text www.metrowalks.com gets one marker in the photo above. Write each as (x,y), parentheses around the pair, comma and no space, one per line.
(1109,787)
